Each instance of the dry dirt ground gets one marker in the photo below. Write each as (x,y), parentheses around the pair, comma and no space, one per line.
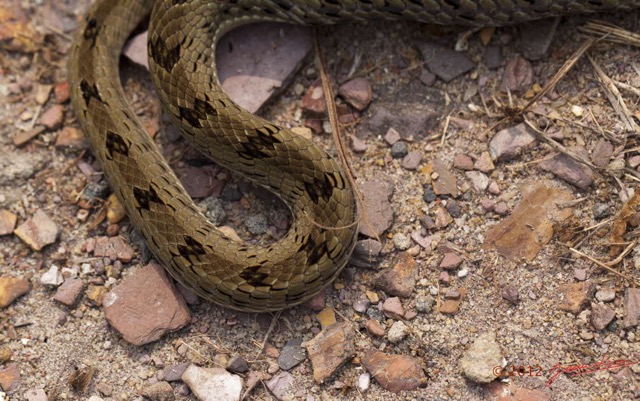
(48,341)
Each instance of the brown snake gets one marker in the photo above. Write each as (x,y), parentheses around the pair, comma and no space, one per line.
(182,38)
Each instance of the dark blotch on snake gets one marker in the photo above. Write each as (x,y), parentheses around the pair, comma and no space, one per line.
(89,92)
(146,197)
(115,143)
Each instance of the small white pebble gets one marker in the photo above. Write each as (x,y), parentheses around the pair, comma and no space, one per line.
(364,380)
(577,111)
(463,273)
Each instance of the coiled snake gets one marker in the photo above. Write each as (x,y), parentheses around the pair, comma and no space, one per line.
(182,38)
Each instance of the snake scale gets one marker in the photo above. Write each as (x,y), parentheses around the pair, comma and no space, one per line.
(182,39)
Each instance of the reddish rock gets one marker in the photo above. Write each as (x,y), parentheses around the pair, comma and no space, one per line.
(401,279)
(569,170)
(393,308)
(330,349)
(444,181)
(378,213)
(10,377)
(412,160)
(395,373)
(23,137)
(69,292)
(576,296)
(602,153)
(12,288)
(374,327)
(113,248)
(450,261)
(530,225)
(7,222)
(510,142)
(463,162)
(145,306)
(52,118)
(631,307)
(601,316)
(518,75)
(71,137)
(313,100)
(484,163)
(38,232)
(61,92)
(356,92)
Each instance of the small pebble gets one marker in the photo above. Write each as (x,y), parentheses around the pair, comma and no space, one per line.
(397,332)
(399,149)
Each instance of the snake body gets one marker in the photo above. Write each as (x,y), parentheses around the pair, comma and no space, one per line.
(182,38)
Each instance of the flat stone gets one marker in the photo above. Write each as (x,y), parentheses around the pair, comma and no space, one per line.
(357,92)
(569,170)
(480,359)
(330,349)
(69,292)
(52,117)
(374,327)
(378,212)
(358,145)
(145,306)
(7,222)
(510,142)
(517,76)
(238,364)
(392,136)
(36,395)
(174,373)
(326,317)
(395,373)
(71,138)
(159,391)
(536,37)
(292,354)
(23,137)
(493,57)
(10,377)
(484,163)
(601,316)
(450,306)
(445,182)
(393,308)
(463,162)
(400,280)
(412,160)
(602,153)
(282,386)
(114,248)
(631,307)
(212,384)
(450,261)
(11,288)
(606,295)
(530,225)
(446,63)
(38,231)
(313,100)
(576,296)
